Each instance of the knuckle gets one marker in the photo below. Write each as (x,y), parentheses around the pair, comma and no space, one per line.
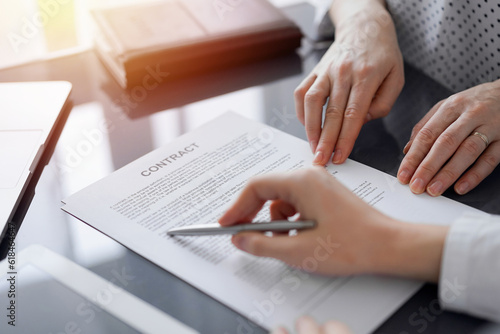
(254,183)
(471,146)
(440,103)
(382,109)
(312,96)
(343,68)
(353,112)
(452,107)
(490,159)
(426,169)
(455,99)
(334,113)
(450,174)
(299,92)
(415,131)
(365,70)
(412,160)
(475,111)
(426,136)
(474,177)
(447,140)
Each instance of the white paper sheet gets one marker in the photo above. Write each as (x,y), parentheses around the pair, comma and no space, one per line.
(193,181)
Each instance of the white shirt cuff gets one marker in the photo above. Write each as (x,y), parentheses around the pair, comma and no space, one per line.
(470,268)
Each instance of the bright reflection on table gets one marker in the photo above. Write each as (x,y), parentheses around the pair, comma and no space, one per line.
(201,112)
(83,156)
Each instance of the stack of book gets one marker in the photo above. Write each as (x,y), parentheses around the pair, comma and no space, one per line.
(178,38)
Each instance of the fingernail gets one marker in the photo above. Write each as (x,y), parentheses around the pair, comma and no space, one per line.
(240,242)
(313,146)
(417,186)
(318,158)
(404,176)
(435,189)
(337,157)
(462,188)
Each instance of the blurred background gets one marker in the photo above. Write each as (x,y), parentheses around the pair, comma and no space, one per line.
(42,29)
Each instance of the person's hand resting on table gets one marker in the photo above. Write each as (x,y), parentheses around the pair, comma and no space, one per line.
(361,75)
(457,133)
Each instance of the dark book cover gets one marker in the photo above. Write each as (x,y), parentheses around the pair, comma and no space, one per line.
(186,37)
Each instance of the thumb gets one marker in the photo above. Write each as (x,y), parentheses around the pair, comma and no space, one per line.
(281,247)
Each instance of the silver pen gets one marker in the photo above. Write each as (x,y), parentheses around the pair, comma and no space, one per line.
(216,229)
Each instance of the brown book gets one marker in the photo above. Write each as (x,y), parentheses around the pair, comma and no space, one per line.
(186,37)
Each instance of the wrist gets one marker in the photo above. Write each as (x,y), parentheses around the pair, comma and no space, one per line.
(349,15)
(411,250)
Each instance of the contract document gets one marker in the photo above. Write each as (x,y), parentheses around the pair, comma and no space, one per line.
(195,178)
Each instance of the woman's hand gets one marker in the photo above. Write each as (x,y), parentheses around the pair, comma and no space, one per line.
(361,74)
(307,325)
(350,238)
(457,133)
